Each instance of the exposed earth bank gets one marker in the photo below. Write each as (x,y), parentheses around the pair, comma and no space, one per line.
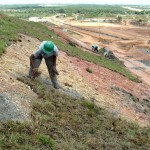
(107,89)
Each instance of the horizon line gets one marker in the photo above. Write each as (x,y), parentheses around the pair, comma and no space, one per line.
(71,4)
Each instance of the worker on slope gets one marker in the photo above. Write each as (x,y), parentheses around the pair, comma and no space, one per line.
(49,51)
(95,48)
(106,51)
(109,54)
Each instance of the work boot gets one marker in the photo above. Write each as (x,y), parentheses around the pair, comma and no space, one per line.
(56,86)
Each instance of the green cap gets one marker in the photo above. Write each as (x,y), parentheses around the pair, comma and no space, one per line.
(48,47)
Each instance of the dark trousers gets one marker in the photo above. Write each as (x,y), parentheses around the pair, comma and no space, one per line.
(50,64)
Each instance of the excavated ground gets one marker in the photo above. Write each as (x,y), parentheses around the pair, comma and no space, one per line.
(129,43)
(107,89)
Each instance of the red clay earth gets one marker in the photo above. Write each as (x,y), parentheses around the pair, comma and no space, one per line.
(105,82)
(130,51)
(132,98)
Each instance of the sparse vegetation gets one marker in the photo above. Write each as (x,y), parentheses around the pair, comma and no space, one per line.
(61,122)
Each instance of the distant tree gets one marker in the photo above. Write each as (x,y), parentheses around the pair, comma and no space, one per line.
(79,11)
(61,11)
(119,19)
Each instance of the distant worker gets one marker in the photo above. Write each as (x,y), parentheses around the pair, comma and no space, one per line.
(106,51)
(49,51)
(108,54)
(95,48)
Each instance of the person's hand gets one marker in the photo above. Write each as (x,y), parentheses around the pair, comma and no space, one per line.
(55,70)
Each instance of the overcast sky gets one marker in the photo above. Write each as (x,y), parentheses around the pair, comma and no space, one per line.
(133,2)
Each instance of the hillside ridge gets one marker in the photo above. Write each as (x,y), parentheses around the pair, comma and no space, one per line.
(76,81)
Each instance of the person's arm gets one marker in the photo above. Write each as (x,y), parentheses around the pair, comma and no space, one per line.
(54,65)
(54,59)
(35,55)
(35,72)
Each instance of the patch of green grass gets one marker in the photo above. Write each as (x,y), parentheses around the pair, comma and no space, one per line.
(11,26)
(88,104)
(45,140)
(61,122)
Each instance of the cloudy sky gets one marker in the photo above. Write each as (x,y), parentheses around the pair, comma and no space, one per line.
(133,2)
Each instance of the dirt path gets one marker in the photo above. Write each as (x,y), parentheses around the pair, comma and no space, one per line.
(125,99)
(137,67)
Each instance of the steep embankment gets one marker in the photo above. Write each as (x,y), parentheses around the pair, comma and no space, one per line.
(130,45)
(58,121)
(107,88)
(53,120)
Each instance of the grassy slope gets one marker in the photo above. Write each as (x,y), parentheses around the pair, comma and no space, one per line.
(59,121)
(112,65)
(9,27)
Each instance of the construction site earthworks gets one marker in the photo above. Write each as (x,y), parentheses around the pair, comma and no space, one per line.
(103,73)
(130,44)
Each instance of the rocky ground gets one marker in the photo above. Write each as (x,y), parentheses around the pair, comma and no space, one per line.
(107,89)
